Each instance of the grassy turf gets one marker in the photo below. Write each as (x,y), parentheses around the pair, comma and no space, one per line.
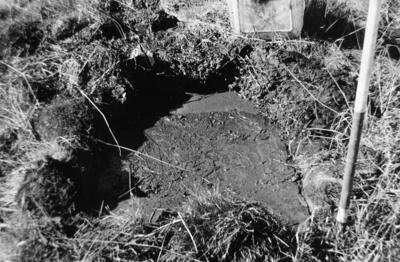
(54,51)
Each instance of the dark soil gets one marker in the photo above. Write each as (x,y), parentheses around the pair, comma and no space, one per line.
(238,152)
(64,117)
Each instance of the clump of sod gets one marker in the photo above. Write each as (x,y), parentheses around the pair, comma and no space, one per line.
(223,229)
(210,227)
(51,191)
(49,214)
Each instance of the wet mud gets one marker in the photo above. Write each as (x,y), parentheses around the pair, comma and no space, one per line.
(239,152)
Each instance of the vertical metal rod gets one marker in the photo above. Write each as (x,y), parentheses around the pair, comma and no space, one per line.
(360,107)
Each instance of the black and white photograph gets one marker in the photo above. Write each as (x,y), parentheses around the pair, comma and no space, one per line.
(200,130)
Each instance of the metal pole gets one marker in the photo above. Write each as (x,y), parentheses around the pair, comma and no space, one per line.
(360,107)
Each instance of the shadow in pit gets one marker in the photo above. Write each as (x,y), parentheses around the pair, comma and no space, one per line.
(331,25)
(153,92)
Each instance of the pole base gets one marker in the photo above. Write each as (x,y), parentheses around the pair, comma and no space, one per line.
(341,215)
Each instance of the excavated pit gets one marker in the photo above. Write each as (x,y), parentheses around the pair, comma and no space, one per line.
(175,141)
(211,141)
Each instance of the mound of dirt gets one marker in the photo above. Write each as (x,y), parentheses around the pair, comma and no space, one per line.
(50,191)
(64,117)
(236,151)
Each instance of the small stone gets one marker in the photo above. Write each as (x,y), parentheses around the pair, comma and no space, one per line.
(142,55)
(321,187)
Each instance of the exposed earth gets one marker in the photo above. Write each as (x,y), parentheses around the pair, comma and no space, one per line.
(237,151)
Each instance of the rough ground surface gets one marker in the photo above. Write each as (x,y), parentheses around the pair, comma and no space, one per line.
(75,75)
(237,151)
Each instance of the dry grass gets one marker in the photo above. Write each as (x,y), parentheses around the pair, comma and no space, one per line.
(203,13)
(373,234)
(209,227)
